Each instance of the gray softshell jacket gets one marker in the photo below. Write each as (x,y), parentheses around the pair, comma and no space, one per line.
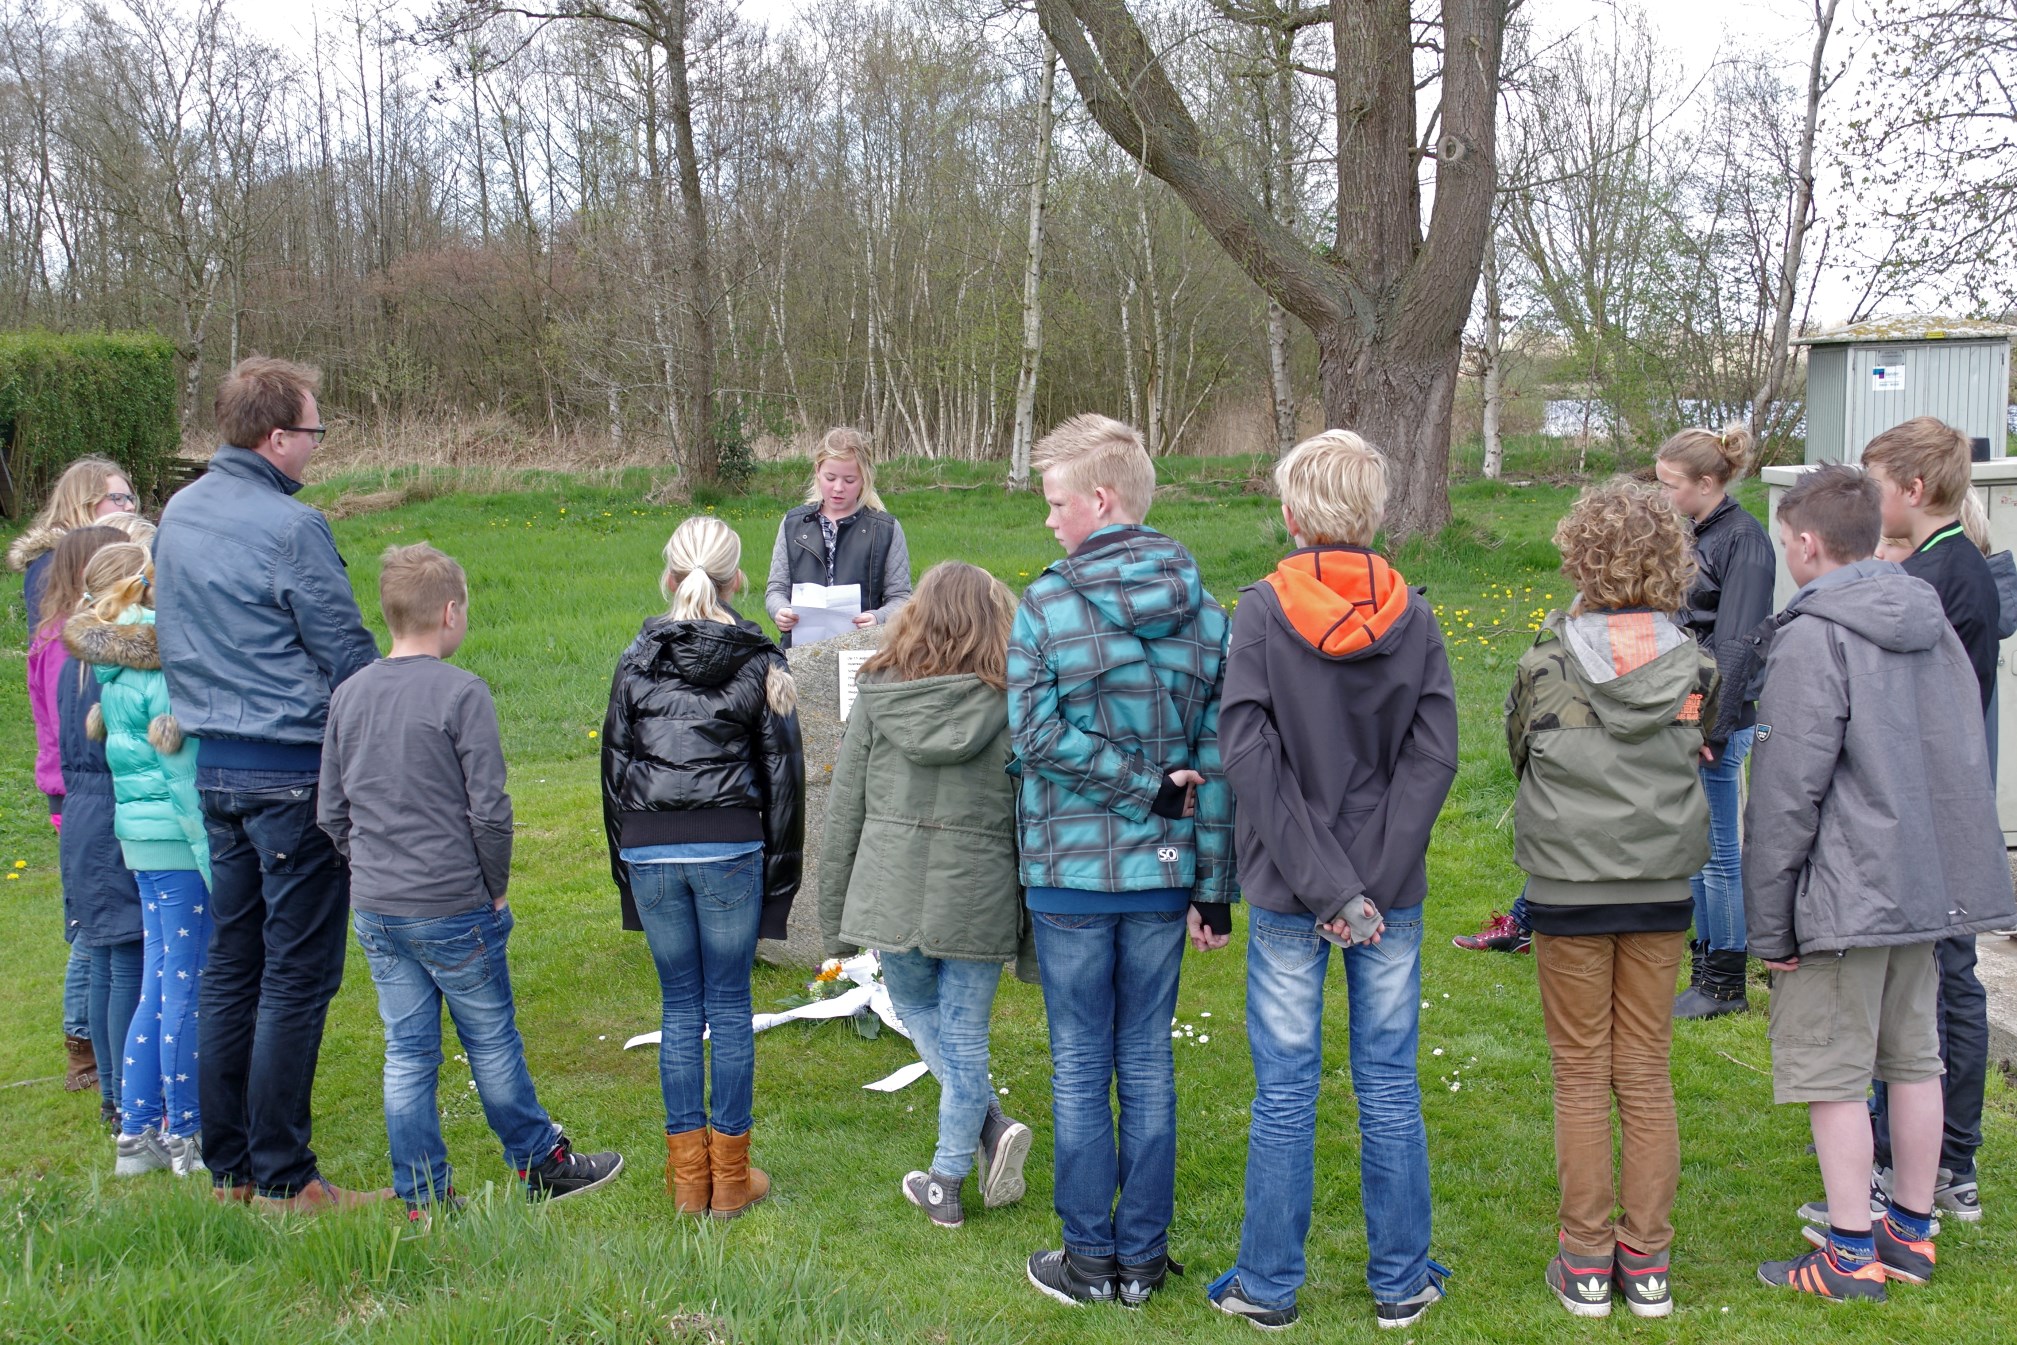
(1872,820)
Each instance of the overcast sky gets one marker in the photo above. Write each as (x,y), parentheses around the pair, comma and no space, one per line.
(1696,31)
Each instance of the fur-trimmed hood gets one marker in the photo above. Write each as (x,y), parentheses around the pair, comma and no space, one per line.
(32,545)
(112,643)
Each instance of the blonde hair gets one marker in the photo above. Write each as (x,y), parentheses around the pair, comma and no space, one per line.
(136,528)
(414,584)
(1623,545)
(957,621)
(1723,454)
(1090,451)
(1335,484)
(1924,449)
(842,444)
(702,560)
(73,500)
(118,577)
(1975,522)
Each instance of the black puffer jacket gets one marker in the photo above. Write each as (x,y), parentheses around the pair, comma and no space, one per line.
(1732,594)
(701,744)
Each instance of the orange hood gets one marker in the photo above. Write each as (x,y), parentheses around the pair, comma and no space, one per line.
(1342,600)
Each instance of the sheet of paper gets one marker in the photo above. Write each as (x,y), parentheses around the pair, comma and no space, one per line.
(850,669)
(903,1078)
(824,612)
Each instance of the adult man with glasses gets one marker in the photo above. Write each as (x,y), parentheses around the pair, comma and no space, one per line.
(257,627)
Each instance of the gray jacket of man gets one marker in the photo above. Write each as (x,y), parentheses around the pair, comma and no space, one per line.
(1872,820)
(257,622)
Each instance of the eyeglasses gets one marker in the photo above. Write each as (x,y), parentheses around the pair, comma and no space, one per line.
(317,430)
(122,497)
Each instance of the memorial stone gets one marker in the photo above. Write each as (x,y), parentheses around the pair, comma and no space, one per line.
(816,669)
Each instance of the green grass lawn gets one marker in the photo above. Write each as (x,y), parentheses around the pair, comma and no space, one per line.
(562,573)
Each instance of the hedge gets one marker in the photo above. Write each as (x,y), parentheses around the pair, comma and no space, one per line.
(67,397)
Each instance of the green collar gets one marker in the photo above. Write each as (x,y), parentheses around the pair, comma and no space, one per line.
(1951,530)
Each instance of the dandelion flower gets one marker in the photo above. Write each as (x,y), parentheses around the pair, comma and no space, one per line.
(20,863)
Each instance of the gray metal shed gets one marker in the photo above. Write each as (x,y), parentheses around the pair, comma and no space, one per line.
(1864,378)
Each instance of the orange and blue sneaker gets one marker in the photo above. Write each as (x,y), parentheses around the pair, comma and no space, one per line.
(1820,1274)
(1902,1256)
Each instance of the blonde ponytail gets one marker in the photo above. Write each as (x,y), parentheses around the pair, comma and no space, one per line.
(116,578)
(701,570)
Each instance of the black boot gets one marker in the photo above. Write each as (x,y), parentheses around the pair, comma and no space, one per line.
(1718,988)
(1697,951)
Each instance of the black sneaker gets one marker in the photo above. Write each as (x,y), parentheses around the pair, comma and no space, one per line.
(937,1196)
(1004,1144)
(565,1173)
(1137,1282)
(1226,1295)
(1408,1311)
(420,1215)
(1072,1279)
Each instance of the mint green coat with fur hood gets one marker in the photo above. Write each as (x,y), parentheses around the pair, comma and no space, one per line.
(157,816)
(920,848)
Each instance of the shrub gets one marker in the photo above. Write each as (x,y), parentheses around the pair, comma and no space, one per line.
(64,397)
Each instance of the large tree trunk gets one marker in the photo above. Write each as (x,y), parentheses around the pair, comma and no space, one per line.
(1387,306)
(1033,312)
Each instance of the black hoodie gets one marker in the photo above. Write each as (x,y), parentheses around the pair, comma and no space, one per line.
(701,744)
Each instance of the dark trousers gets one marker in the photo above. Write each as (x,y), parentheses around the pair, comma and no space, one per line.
(1964,1047)
(279,906)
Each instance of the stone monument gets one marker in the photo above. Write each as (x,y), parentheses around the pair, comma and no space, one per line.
(816,669)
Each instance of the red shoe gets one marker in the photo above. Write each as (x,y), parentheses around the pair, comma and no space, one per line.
(1499,935)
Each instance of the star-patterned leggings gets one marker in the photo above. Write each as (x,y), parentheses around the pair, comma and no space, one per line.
(159,1084)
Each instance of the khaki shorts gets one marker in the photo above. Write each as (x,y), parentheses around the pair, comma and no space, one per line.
(1845,1018)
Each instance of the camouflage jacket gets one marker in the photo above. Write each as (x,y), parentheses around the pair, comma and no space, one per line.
(1605,723)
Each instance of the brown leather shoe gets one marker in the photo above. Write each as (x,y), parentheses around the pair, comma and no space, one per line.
(320,1194)
(83,1064)
(737,1185)
(688,1178)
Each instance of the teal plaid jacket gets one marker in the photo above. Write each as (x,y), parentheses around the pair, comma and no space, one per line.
(1115,666)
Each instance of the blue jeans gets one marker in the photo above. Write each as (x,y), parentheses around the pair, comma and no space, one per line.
(279,902)
(77,991)
(1286,964)
(110,1001)
(418,963)
(1719,887)
(159,1085)
(1110,987)
(946,1003)
(701,922)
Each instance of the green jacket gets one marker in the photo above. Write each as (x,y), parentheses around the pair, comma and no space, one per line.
(927,860)
(1605,722)
(157,817)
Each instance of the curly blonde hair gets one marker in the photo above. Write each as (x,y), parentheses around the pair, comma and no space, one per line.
(1623,546)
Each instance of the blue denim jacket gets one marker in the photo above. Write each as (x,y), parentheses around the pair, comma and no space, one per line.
(1115,666)
(256,619)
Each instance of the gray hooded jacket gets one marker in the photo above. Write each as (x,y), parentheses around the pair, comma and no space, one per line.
(1872,820)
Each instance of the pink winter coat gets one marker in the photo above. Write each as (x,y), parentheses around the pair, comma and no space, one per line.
(45,666)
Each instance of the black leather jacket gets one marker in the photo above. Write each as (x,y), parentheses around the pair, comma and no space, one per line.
(701,743)
(1735,571)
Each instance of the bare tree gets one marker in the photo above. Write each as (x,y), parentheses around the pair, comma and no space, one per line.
(1799,219)
(1387,305)
(1033,313)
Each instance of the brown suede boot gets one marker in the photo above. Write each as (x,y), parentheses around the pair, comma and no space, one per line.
(688,1179)
(83,1071)
(737,1185)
